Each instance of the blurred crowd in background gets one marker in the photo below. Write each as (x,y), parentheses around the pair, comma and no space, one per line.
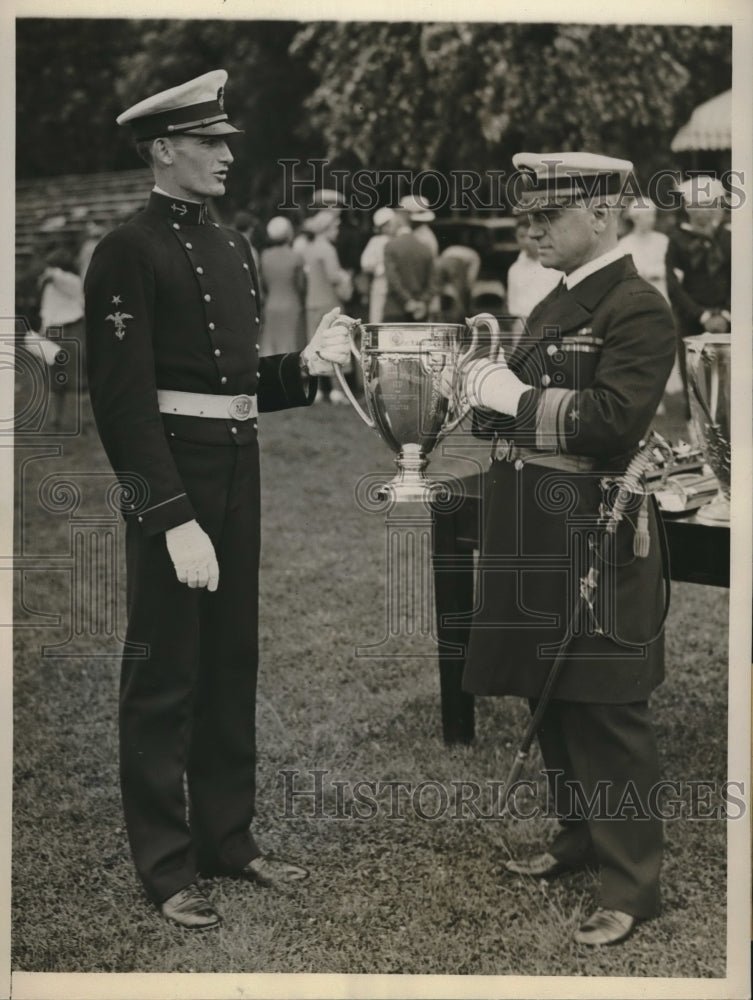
(381,97)
(400,264)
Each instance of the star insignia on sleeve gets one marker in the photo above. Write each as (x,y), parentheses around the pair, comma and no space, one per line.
(573,415)
(116,300)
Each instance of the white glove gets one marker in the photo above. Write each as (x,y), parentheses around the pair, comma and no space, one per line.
(331,342)
(491,385)
(193,555)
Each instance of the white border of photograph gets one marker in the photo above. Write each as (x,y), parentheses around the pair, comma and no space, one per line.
(738,13)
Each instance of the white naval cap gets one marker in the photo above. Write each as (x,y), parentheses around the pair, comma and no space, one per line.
(557,179)
(702,191)
(193,108)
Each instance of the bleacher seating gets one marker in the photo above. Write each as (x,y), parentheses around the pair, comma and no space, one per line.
(64,205)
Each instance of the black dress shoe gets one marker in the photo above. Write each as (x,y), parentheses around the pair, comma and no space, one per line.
(543,865)
(268,871)
(190,908)
(605,927)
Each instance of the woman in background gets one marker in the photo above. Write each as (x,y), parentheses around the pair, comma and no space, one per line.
(372,262)
(646,246)
(284,285)
(327,283)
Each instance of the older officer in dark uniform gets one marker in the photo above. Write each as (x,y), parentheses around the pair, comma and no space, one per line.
(176,381)
(565,411)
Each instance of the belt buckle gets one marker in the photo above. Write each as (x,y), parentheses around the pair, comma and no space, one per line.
(239,407)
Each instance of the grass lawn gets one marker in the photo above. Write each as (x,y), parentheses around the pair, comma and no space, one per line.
(403,894)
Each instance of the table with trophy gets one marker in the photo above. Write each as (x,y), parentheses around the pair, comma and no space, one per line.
(434,522)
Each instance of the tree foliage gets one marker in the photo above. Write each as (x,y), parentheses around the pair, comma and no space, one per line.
(450,96)
(265,93)
(65,102)
(92,70)
(402,95)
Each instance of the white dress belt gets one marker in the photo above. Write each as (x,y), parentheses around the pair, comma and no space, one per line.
(204,404)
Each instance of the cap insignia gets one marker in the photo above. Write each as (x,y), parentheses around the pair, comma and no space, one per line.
(221,98)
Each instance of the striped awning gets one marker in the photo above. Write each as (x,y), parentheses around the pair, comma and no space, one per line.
(709,127)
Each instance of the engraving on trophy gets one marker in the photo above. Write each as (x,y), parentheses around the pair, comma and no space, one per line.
(412,402)
(407,402)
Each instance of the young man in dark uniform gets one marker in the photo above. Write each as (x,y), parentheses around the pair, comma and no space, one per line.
(565,411)
(176,381)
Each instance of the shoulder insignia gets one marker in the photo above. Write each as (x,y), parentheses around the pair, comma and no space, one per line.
(118,318)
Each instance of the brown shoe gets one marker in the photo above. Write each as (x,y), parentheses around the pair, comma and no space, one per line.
(268,871)
(190,908)
(605,927)
(543,865)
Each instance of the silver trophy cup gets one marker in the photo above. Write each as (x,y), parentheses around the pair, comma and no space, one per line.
(708,359)
(410,403)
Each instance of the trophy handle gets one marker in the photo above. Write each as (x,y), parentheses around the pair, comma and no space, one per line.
(341,378)
(710,408)
(490,322)
(463,406)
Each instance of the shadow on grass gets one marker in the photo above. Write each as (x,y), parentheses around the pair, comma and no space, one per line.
(404,894)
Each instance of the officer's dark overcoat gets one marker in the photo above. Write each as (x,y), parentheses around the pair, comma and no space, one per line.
(598,358)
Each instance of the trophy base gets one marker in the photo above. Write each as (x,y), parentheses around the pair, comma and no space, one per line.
(400,491)
(716,514)
(410,485)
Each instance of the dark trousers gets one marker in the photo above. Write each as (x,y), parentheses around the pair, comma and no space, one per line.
(610,753)
(187,710)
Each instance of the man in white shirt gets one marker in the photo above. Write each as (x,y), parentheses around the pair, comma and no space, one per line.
(528,281)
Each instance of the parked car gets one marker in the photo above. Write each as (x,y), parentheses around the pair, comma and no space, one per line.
(493,239)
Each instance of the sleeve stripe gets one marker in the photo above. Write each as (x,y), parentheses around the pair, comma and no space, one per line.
(564,410)
(162,504)
(549,422)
